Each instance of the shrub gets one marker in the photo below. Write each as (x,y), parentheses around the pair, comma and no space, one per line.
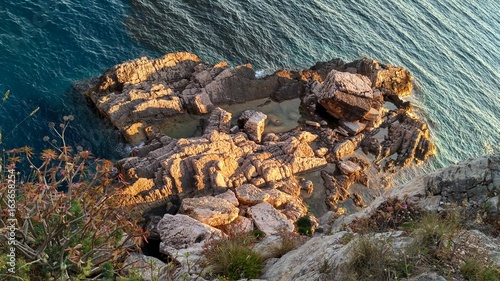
(304,226)
(289,242)
(72,219)
(233,258)
(371,259)
(394,213)
(474,271)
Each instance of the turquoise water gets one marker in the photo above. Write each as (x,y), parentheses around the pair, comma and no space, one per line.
(452,48)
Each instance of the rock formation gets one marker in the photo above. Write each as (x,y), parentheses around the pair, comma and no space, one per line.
(229,178)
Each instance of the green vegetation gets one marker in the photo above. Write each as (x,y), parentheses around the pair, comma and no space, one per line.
(304,226)
(233,258)
(472,270)
(434,246)
(71,219)
(371,259)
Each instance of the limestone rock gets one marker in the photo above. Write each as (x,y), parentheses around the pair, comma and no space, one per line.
(181,231)
(348,167)
(230,197)
(353,127)
(249,194)
(209,210)
(346,96)
(387,77)
(269,220)
(253,124)
(219,120)
(347,146)
(214,162)
(239,226)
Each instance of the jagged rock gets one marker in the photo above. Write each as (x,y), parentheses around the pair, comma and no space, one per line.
(181,231)
(239,226)
(269,220)
(347,146)
(149,268)
(336,189)
(249,194)
(346,96)
(253,124)
(230,197)
(277,198)
(409,137)
(219,120)
(216,160)
(209,210)
(387,77)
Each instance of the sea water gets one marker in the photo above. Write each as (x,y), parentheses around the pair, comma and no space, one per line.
(49,49)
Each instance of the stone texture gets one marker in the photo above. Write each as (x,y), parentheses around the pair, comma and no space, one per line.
(254,123)
(348,167)
(346,96)
(347,146)
(238,226)
(219,120)
(181,232)
(249,194)
(230,197)
(269,220)
(214,162)
(209,210)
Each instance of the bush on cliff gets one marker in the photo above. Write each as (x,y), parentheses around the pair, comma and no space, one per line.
(233,258)
(68,215)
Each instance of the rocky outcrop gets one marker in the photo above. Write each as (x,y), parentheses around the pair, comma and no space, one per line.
(210,164)
(209,210)
(471,184)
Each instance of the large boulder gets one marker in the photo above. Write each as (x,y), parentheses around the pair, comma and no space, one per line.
(269,220)
(209,210)
(179,232)
(346,96)
(249,194)
(253,124)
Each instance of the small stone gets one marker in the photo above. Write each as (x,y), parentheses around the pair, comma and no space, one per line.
(234,129)
(313,124)
(321,152)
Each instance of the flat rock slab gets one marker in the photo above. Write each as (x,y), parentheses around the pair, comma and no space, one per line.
(269,220)
(230,197)
(209,210)
(349,167)
(249,194)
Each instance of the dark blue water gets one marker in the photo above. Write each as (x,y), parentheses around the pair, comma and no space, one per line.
(451,47)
